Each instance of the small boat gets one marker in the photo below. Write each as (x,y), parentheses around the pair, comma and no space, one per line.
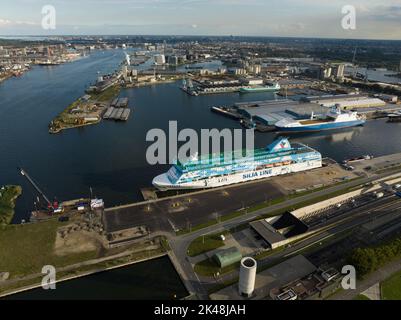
(362,158)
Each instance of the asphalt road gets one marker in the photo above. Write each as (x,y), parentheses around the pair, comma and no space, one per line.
(182,212)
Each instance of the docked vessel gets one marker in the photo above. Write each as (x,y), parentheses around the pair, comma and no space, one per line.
(48,63)
(334,119)
(215,170)
(266,88)
(394,117)
(358,159)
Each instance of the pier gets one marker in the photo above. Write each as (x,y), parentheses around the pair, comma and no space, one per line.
(118,110)
(187,210)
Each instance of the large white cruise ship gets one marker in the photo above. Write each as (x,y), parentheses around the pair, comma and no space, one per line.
(215,170)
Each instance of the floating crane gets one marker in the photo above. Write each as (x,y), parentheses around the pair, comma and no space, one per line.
(50,206)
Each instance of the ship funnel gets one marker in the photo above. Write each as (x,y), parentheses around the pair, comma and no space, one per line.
(280,144)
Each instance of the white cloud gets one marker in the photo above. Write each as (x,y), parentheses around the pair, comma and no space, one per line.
(7,22)
(4,22)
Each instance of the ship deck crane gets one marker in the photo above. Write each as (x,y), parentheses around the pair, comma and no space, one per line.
(33,183)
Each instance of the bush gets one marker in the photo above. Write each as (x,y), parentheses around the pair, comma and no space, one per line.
(367,260)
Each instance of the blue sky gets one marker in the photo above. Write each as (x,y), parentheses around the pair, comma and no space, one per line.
(309,18)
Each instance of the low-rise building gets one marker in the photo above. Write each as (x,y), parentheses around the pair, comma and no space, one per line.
(227,257)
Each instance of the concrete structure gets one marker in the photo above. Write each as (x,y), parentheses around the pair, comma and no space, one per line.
(363,103)
(340,71)
(255,69)
(247,277)
(294,83)
(173,60)
(253,81)
(280,230)
(237,71)
(124,71)
(274,238)
(325,72)
(281,274)
(388,98)
(313,209)
(316,285)
(347,101)
(287,295)
(160,59)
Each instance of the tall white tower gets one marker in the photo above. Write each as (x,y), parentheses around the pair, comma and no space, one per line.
(247,276)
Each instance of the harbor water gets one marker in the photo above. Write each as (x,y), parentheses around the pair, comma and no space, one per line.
(110,157)
(150,280)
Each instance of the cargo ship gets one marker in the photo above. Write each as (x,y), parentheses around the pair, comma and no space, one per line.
(334,119)
(216,170)
(266,88)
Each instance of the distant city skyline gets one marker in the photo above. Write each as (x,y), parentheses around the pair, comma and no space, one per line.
(282,18)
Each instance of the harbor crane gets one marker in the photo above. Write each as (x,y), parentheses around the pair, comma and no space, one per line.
(50,205)
(353,63)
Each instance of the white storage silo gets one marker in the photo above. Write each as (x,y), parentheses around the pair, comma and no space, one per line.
(247,276)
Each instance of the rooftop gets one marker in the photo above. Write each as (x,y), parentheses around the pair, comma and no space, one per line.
(267,231)
(281,274)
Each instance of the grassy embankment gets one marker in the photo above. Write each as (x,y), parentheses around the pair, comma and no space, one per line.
(8,196)
(209,268)
(391,287)
(206,243)
(106,95)
(25,249)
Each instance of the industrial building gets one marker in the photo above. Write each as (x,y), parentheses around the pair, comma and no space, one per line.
(160,59)
(316,285)
(227,257)
(252,81)
(277,276)
(346,101)
(269,112)
(388,98)
(294,83)
(279,231)
(118,110)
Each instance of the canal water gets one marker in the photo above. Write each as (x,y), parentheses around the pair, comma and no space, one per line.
(110,157)
(151,280)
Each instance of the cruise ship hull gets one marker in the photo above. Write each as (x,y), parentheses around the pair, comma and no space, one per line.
(162,182)
(322,127)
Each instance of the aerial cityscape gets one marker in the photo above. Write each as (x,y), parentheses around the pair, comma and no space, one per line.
(188,156)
